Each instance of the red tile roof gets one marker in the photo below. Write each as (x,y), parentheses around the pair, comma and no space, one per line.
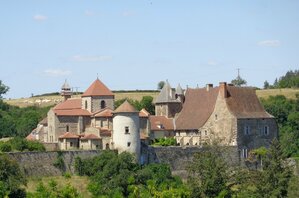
(143,113)
(30,137)
(198,106)
(97,88)
(107,112)
(105,133)
(126,107)
(90,137)
(161,123)
(143,136)
(44,121)
(69,135)
(71,107)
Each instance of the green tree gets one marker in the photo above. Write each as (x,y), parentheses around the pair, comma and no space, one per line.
(11,177)
(209,174)
(147,103)
(239,81)
(161,85)
(3,89)
(275,176)
(266,85)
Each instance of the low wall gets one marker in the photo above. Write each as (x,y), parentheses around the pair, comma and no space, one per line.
(38,164)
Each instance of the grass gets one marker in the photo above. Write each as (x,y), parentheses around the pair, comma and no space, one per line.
(79,182)
(288,93)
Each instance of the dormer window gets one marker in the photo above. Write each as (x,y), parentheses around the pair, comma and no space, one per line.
(103,104)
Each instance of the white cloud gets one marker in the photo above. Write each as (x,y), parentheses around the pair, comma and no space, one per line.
(57,72)
(212,63)
(269,43)
(80,58)
(89,13)
(39,17)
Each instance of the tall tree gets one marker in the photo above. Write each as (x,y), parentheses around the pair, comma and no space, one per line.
(161,85)
(266,85)
(275,176)
(3,89)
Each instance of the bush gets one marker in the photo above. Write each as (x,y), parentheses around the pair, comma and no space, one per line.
(5,147)
(165,142)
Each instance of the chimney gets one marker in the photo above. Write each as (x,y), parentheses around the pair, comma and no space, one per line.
(223,89)
(209,86)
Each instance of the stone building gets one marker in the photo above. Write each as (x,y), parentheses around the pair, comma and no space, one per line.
(230,115)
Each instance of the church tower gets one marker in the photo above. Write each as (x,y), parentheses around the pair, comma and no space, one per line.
(97,97)
(126,136)
(166,103)
(66,91)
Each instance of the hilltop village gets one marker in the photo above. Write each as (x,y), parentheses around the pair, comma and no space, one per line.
(233,116)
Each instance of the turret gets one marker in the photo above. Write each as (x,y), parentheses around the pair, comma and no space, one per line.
(66,91)
(126,136)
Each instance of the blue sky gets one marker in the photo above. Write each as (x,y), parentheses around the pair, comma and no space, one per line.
(136,44)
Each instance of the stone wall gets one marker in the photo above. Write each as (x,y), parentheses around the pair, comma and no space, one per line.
(38,164)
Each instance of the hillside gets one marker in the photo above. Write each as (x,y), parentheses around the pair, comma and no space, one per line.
(136,95)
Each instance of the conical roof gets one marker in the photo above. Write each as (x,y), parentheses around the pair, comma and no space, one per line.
(179,90)
(166,95)
(97,88)
(126,107)
(65,86)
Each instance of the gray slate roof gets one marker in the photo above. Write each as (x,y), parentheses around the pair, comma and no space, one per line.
(166,94)
(179,90)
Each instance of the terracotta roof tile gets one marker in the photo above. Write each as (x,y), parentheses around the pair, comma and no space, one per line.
(72,112)
(97,88)
(44,121)
(105,133)
(107,112)
(69,104)
(30,137)
(143,113)
(161,123)
(243,103)
(69,135)
(90,137)
(197,108)
(126,107)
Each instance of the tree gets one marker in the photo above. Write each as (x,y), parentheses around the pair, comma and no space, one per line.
(3,89)
(147,103)
(209,174)
(161,85)
(11,177)
(275,176)
(239,81)
(266,85)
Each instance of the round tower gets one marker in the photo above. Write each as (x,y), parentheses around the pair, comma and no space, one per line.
(66,91)
(126,136)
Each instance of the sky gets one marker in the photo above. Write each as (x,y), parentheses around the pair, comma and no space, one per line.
(134,44)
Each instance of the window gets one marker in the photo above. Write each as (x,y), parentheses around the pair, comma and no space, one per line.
(85,104)
(266,130)
(206,133)
(107,146)
(103,104)
(216,117)
(246,130)
(129,144)
(127,130)
(71,144)
(244,153)
(67,128)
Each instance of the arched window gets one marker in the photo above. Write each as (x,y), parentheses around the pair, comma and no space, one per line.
(67,128)
(85,104)
(103,104)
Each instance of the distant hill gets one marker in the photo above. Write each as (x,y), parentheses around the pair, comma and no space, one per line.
(48,100)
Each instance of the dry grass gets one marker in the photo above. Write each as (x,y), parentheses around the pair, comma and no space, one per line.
(288,93)
(52,100)
(55,99)
(80,183)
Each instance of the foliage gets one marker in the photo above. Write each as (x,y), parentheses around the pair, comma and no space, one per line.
(161,85)
(59,162)
(239,81)
(275,176)
(209,174)
(3,89)
(15,121)
(21,144)
(286,113)
(114,175)
(289,80)
(146,103)
(11,177)
(266,85)
(53,191)
(165,142)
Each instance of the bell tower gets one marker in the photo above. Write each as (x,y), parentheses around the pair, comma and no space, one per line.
(66,91)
